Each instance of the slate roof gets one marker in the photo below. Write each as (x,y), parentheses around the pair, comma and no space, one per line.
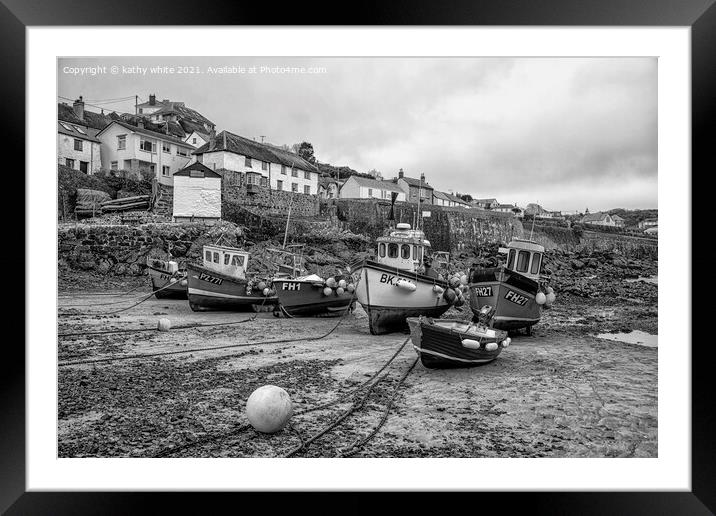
(89,133)
(91,119)
(416,182)
(441,195)
(186,171)
(148,132)
(594,217)
(375,183)
(240,145)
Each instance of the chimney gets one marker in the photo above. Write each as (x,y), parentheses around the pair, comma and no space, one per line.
(152,99)
(166,127)
(78,107)
(212,139)
(400,173)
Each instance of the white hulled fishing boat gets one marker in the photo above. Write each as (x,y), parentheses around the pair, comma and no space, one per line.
(393,286)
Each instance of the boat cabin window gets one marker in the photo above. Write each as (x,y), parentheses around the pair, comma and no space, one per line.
(523,261)
(237,260)
(415,252)
(381,250)
(216,257)
(511,259)
(227,257)
(392,250)
(405,251)
(536,259)
(208,256)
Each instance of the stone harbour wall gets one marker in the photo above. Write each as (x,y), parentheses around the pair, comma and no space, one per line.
(447,229)
(122,249)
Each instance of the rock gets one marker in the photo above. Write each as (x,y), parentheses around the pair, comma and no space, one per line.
(577,264)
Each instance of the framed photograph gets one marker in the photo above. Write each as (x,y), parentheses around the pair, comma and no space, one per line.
(421,253)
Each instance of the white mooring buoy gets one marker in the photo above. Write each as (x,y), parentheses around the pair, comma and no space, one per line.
(269,409)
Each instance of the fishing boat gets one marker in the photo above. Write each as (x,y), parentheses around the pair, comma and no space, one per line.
(448,343)
(168,280)
(393,286)
(220,283)
(513,289)
(303,295)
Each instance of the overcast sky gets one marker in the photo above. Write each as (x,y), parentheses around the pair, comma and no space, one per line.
(567,133)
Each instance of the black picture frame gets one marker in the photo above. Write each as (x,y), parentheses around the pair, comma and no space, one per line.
(700,15)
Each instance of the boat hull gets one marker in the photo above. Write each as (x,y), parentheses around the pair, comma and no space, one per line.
(162,278)
(510,293)
(306,299)
(440,347)
(388,305)
(211,290)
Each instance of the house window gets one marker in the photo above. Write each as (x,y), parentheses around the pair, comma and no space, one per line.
(79,129)
(69,163)
(536,257)
(264,165)
(294,172)
(381,250)
(84,166)
(147,145)
(279,185)
(166,147)
(405,251)
(140,111)
(122,142)
(78,145)
(370,192)
(66,126)
(294,187)
(283,169)
(307,189)
(181,151)
(523,260)
(264,181)
(247,162)
(306,175)
(165,170)
(113,165)
(392,250)
(193,140)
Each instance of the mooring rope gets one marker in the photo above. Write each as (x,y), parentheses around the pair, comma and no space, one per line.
(193,350)
(355,447)
(242,427)
(116,311)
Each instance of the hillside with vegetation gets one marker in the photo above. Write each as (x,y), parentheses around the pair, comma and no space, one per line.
(633,217)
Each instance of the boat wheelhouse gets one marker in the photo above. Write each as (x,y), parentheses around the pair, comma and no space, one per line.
(511,288)
(394,286)
(220,282)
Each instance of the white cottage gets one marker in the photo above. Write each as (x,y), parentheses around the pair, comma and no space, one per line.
(197,194)
(261,165)
(357,187)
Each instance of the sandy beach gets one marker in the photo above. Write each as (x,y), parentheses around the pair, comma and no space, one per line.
(561,392)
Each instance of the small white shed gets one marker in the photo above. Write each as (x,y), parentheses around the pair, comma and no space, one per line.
(197,194)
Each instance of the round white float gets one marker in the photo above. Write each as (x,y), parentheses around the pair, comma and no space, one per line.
(269,409)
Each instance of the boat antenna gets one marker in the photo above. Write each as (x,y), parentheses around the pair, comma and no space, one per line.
(419,222)
(534,216)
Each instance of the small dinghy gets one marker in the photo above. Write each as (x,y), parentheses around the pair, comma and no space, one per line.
(447,343)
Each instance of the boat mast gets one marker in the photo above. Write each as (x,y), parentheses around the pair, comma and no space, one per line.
(288,218)
(419,219)
(534,216)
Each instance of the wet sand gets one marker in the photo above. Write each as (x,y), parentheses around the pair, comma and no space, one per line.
(561,392)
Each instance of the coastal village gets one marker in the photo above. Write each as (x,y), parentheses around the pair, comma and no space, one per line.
(534,328)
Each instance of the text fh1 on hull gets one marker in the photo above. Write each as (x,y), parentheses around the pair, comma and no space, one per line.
(392,287)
